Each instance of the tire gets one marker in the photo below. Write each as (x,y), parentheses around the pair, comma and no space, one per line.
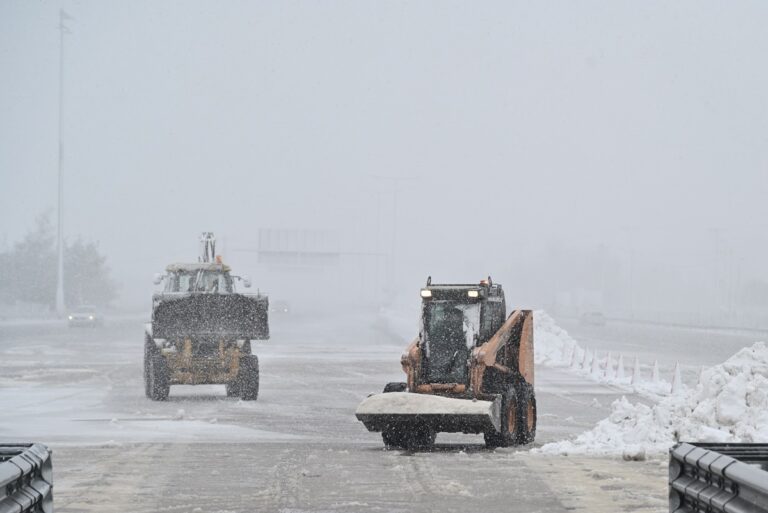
(149,350)
(248,377)
(528,431)
(233,389)
(420,439)
(395,387)
(393,438)
(160,385)
(513,409)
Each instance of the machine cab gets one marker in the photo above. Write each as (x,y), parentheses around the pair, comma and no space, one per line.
(455,319)
(200,277)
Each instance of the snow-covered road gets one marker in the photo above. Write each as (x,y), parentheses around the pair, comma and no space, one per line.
(299,447)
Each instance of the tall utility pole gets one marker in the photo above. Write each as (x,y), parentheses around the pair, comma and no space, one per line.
(631,267)
(392,268)
(63,16)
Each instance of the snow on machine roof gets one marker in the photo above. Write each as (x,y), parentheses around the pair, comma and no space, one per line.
(197,266)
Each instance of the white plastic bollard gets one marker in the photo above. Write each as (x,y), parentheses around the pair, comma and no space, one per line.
(585,360)
(608,367)
(595,365)
(655,375)
(636,372)
(620,369)
(573,357)
(677,380)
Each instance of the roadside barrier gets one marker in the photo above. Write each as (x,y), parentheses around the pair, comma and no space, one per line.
(26,478)
(716,478)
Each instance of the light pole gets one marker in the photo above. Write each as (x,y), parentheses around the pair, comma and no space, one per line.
(395,181)
(63,16)
(630,247)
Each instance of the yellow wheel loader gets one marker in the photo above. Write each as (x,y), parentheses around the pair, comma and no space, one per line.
(470,370)
(202,328)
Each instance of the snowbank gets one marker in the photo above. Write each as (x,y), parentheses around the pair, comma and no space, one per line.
(729,405)
(552,344)
(554,347)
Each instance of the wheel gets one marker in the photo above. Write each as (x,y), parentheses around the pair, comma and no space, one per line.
(512,421)
(393,438)
(149,350)
(528,433)
(160,385)
(420,439)
(248,377)
(233,389)
(395,387)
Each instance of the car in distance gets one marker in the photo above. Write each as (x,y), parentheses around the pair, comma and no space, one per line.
(593,319)
(86,316)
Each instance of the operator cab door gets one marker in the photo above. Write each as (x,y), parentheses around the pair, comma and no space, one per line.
(451,329)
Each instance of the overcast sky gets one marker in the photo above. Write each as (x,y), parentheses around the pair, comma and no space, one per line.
(530,135)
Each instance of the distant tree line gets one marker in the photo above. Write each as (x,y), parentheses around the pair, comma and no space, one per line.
(28,270)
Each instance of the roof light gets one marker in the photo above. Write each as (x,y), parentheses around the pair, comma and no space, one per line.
(473,293)
(426,293)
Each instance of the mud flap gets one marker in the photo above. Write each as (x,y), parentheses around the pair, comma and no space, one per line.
(442,414)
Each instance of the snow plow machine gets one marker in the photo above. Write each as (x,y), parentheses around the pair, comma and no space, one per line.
(202,328)
(470,370)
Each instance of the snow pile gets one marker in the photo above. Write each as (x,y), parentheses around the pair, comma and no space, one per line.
(554,347)
(552,344)
(729,405)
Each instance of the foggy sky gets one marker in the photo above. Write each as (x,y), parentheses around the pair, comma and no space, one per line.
(534,138)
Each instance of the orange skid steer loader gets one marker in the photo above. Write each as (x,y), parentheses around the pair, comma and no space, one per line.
(470,370)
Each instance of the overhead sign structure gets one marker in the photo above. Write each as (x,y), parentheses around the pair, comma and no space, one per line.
(310,248)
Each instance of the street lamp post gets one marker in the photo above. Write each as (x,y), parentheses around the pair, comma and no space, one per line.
(63,16)
(391,267)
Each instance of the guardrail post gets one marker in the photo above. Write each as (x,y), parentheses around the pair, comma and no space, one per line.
(26,478)
(718,478)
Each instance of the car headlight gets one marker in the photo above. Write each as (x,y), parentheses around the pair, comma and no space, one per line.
(90,317)
(473,293)
(70,317)
(426,293)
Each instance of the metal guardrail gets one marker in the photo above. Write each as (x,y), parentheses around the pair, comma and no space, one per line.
(26,478)
(715,478)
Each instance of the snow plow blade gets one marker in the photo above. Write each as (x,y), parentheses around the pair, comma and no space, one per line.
(381,411)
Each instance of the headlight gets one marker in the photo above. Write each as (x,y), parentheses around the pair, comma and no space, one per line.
(90,317)
(426,293)
(473,293)
(70,317)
